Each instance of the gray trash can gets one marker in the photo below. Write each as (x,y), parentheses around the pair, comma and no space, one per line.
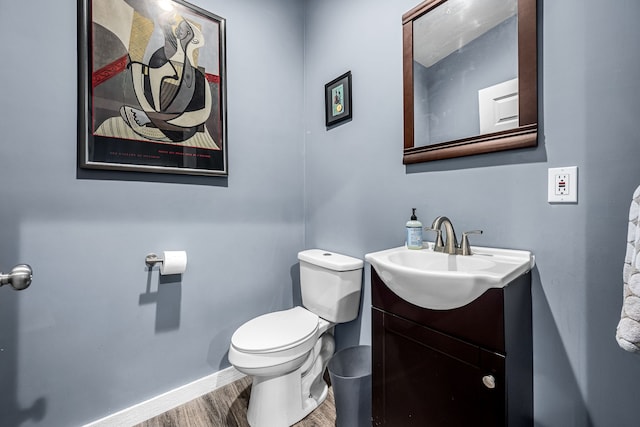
(350,373)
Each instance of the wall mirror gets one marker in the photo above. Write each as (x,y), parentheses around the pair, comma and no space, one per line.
(470,78)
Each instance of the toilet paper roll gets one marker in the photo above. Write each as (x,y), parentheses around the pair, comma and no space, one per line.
(175,262)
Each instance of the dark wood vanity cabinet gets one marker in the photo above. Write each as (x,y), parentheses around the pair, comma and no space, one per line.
(469,366)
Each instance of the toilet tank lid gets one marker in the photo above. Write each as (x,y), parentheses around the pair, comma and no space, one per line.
(330,260)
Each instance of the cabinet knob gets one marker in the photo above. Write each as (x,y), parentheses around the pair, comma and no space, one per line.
(489,381)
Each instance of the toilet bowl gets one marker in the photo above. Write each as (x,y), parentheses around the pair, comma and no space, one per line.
(286,352)
(274,343)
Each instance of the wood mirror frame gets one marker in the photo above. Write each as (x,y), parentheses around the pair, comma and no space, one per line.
(525,135)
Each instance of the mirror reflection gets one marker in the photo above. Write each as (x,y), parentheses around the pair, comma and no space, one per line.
(465,70)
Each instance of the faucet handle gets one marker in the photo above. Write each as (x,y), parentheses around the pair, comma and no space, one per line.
(439,243)
(464,245)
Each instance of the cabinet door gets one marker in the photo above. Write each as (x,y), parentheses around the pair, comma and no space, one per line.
(422,377)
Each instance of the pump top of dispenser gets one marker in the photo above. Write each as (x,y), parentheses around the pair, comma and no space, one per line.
(413,221)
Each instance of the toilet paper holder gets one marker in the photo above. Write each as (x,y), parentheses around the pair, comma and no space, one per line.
(171,262)
(152,259)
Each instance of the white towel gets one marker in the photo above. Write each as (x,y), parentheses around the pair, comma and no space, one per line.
(628,331)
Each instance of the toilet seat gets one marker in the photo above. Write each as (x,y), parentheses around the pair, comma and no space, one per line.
(276,332)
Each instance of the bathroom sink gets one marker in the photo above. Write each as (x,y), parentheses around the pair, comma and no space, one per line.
(440,281)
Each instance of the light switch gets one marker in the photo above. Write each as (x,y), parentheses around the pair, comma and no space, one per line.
(563,185)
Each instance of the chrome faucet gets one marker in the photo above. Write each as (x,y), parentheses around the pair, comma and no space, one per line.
(451,246)
(451,239)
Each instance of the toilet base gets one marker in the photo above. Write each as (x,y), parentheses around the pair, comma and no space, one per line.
(283,400)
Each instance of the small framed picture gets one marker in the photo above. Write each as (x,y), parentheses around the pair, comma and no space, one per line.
(337,99)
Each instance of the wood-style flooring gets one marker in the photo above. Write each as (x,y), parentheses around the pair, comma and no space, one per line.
(227,407)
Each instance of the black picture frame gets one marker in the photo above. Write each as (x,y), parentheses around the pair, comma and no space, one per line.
(152,87)
(337,99)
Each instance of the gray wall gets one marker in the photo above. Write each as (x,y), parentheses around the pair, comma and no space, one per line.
(82,342)
(96,333)
(359,195)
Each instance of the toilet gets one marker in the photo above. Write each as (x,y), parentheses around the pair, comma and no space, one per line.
(286,352)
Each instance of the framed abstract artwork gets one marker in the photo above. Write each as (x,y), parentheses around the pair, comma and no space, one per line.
(337,100)
(152,87)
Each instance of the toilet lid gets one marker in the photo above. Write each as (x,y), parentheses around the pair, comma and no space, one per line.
(275,331)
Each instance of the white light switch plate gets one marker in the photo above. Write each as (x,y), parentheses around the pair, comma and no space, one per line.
(563,185)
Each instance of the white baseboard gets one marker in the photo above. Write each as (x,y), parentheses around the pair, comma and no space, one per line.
(169,400)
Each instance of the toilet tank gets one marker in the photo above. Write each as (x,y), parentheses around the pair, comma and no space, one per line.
(330,284)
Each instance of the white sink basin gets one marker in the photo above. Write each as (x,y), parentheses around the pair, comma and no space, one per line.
(439,281)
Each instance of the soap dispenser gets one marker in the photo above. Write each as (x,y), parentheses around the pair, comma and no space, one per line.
(414,232)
